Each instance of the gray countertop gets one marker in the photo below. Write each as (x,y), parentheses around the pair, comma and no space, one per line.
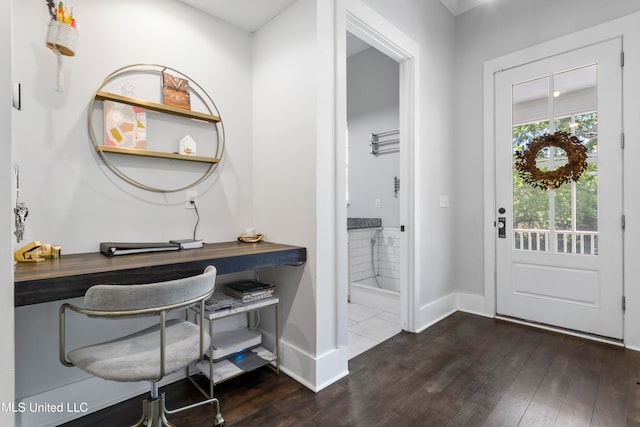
(354,223)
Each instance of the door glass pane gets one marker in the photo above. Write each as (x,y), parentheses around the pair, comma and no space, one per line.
(563,220)
(530,204)
(575,106)
(587,187)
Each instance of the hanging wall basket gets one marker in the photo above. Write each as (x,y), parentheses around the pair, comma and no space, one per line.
(525,162)
(62,38)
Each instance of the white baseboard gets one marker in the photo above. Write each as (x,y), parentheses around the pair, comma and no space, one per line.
(331,360)
(331,367)
(472,303)
(297,363)
(436,311)
(304,368)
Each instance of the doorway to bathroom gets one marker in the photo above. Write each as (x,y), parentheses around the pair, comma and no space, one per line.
(374,194)
(363,24)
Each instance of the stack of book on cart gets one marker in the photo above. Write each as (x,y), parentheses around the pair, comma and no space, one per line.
(249,290)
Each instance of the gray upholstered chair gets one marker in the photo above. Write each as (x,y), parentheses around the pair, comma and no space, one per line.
(152,353)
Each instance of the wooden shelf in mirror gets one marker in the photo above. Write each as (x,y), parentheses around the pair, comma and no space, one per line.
(154,106)
(160,154)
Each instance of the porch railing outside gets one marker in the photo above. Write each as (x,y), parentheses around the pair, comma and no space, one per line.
(566,241)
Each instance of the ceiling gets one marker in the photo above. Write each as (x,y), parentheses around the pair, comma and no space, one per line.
(460,6)
(250,15)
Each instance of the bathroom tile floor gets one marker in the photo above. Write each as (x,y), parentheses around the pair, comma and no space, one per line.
(369,327)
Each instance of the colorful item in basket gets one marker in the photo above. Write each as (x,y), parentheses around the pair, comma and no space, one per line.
(61,13)
(62,34)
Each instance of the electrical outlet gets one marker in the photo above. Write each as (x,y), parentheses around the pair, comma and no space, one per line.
(191,199)
(377,203)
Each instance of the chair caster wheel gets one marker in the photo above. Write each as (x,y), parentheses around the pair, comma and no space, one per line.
(218,421)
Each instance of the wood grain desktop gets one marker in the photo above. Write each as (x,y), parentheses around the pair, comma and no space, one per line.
(71,275)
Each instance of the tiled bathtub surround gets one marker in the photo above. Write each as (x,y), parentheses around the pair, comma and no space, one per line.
(386,254)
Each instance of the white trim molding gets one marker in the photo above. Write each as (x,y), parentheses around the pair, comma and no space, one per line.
(363,22)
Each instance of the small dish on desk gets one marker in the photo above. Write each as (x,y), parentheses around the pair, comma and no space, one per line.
(250,238)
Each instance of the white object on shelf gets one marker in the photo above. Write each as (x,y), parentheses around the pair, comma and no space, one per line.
(231,342)
(237,307)
(188,243)
(226,369)
(187,146)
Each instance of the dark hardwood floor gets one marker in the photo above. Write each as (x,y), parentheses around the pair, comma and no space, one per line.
(465,370)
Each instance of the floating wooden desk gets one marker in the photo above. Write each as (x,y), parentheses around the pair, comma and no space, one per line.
(71,275)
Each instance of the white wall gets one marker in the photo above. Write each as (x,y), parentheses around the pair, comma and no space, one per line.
(430,25)
(7,359)
(483,33)
(372,107)
(286,74)
(73,199)
(372,82)
(524,40)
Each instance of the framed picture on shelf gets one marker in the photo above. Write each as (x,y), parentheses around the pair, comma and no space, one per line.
(125,126)
(175,91)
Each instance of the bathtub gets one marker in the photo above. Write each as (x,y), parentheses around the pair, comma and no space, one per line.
(366,292)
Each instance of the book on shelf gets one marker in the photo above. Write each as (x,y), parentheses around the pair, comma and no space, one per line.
(249,290)
(256,297)
(221,301)
(187,243)
(250,296)
(248,286)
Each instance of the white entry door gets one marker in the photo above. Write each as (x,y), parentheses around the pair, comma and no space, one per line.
(559,250)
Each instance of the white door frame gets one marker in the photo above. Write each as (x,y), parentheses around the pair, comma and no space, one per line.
(551,48)
(360,20)
(594,280)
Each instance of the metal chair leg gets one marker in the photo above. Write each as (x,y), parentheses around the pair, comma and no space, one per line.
(153,414)
(143,419)
(218,420)
(154,411)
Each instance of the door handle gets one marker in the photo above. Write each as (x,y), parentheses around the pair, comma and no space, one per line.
(502,227)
